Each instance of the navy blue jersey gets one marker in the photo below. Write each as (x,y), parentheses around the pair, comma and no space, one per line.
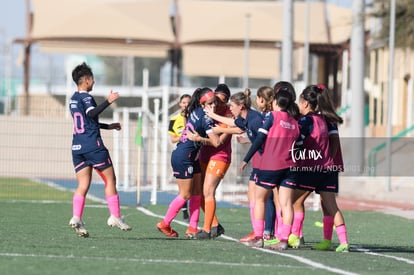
(251,124)
(86,131)
(197,122)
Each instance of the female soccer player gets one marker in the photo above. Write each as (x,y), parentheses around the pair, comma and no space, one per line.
(175,128)
(89,151)
(278,134)
(214,163)
(249,121)
(184,160)
(319,172)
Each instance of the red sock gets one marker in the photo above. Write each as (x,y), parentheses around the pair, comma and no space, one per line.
(327,227)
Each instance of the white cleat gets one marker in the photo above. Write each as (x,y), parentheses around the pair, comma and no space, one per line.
(79,227)
(118,222)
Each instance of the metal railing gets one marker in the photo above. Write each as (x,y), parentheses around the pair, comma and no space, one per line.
(372,156)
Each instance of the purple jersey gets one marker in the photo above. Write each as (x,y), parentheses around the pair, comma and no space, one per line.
(314,155)
(86,131)
(338,160)
(282,131)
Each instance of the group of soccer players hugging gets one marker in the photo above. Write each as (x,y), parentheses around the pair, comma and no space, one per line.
(294,150)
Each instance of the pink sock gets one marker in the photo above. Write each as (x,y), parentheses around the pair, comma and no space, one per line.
(258,228)
(341,232)
(279,223)
(78,204)
(252,213)
(113,205)
(175,207)
(195,203)
(297,225)
(286,230)
(327,227)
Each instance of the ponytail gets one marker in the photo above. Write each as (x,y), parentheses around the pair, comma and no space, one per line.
(320,101)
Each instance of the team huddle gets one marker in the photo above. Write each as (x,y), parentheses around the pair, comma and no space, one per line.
(294,151)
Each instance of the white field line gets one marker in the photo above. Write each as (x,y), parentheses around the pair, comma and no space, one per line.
(311,263)
(146,261)
(149,213)
(367,251)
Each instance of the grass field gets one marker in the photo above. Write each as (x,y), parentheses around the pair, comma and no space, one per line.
(35,239)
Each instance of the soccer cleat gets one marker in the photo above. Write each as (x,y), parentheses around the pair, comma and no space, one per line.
(302,241)
(270,242)
(342,248)
(256,242)
(191,232)
(118,222)
(203,235)
(217,231)
(166,230)
(247,238)
(279,246)
(78,226)
(323,245)
(294,241)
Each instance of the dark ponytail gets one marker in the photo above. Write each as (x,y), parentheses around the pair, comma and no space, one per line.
(195,100)
(287,89)
(320,101)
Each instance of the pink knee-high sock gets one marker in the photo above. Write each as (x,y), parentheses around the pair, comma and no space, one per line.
(341,232)
(286,230)
(113,205)
(279,223)
(252,213)
(297,225)
(195,203)
(258,227)
(328,223)
(78,205)
(175,205)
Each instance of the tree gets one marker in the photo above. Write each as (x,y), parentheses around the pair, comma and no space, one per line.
(404,21)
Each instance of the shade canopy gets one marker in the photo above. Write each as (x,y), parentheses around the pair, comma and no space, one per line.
(103,27)
(261,21)
(212,34)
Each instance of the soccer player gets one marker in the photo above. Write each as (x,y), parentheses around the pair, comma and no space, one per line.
(89,151)
(246,120)
(214,163)
(320,137)
(278,133)
(175,128)
(184,160)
